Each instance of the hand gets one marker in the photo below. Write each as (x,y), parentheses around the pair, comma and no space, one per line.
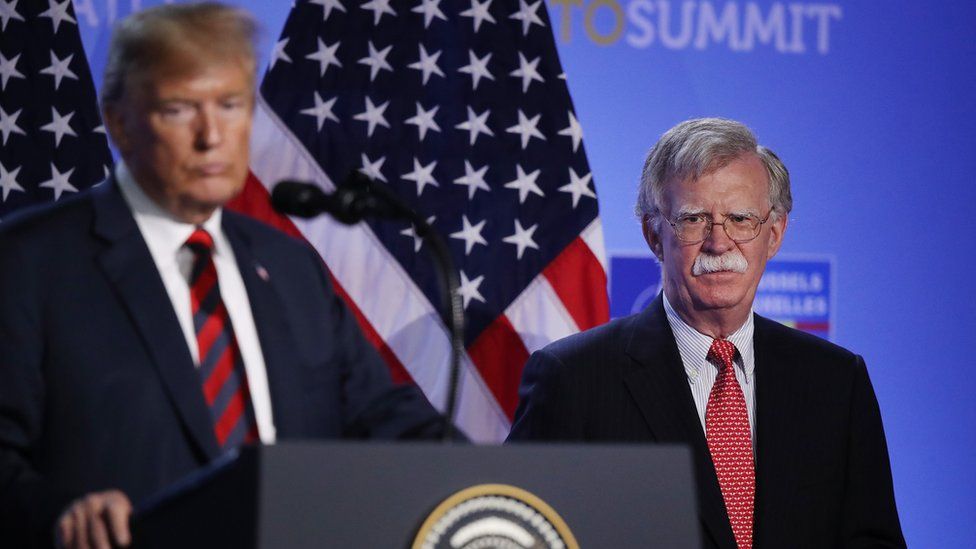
(98,520)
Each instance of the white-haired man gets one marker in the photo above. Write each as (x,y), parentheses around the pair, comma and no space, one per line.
(784,427)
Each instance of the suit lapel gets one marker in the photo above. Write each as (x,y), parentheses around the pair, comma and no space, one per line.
(660,389)
(780,390)
(274,332)
(127,263)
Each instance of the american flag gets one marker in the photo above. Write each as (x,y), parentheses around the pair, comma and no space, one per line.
(53,141)
(461,108)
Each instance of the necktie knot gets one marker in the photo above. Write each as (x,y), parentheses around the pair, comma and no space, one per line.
(200,242)
(723,351)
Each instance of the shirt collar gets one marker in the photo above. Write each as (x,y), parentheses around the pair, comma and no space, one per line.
(163,233)
(693,345)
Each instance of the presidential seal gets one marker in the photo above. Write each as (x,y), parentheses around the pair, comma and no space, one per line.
(494,516)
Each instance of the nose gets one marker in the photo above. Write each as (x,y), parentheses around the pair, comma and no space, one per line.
(718,241)
(209,132)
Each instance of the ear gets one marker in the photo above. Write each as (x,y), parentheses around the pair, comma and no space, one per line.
(114,119)
(777,229)
(652,238)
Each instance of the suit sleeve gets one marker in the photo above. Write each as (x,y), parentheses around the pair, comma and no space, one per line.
(28,504)
(546,411)
(870,515)
(372,405)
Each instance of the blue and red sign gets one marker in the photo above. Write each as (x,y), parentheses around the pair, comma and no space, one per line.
(796,291)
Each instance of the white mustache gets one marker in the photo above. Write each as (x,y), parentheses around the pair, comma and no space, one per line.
(732,260)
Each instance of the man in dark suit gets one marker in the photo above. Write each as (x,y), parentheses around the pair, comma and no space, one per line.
(784,427)
(144,330)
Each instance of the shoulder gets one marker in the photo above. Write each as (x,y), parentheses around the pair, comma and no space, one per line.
(269,242)
(810,348)
(594,346)
(45,220)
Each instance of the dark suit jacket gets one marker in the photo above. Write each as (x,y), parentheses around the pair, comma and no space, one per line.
(822,472)
(98,389)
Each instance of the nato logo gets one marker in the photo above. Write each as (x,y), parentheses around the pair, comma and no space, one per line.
(795,290)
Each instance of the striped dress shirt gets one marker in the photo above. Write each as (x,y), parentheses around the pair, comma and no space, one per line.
(693,347)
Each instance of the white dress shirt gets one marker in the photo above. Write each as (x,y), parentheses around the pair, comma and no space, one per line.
(693,347)
(165,236)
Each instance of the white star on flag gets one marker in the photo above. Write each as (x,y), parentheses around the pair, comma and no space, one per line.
(427,64)
(376,60)
(477,68)
(279,53)
(58,13)
(578,186)
(328,6)
(474,179)
(8,181)
(522,238)
(8,11)
(527,71)
(478,12)
(326,56)
(527,15)
(527,128)
(422,175)
(322,111)
(372,169)
(476,124)
(373,116)
(60,69)
(8,70)
(378,7)
(430,9)
(470,234)
(469,289)
(424,120)
(59,182)
(574,130)
(59,126)
(525,183)
(412,233)
(8,124)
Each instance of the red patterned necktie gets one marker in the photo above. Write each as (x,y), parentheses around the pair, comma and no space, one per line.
(730,443)
(221,367)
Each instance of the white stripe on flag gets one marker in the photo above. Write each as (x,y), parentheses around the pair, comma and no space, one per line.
(593,236)
(539,316)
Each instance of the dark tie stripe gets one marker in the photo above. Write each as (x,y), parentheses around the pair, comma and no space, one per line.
(224,380)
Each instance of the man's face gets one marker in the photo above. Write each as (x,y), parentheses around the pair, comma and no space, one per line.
(739,188)
(185,138)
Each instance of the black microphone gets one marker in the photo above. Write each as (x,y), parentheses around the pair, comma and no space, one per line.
(355,199)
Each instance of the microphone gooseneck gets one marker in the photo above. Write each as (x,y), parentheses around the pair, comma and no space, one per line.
(358,198)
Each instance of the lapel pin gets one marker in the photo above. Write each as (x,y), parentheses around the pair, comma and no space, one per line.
(262,273)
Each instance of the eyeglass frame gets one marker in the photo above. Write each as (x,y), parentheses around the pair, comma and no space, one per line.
(708,232)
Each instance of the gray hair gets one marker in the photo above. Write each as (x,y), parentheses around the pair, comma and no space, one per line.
(698,147)
(177,39)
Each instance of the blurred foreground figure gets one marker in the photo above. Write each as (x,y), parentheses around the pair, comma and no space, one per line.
(784,427)
(144,330)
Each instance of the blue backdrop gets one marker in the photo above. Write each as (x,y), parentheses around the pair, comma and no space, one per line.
(872,105)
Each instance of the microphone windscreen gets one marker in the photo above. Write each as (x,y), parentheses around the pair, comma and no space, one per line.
(298,199)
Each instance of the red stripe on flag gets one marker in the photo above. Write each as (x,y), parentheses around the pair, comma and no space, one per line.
(499,355)
(576,275)
(254,202)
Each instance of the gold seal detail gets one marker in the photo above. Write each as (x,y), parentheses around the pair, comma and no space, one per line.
(494,516)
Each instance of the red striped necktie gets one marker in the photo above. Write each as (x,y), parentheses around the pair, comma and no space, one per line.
(221,367)
(730,443)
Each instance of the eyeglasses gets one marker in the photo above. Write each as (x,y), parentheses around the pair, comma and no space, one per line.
(694,228)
